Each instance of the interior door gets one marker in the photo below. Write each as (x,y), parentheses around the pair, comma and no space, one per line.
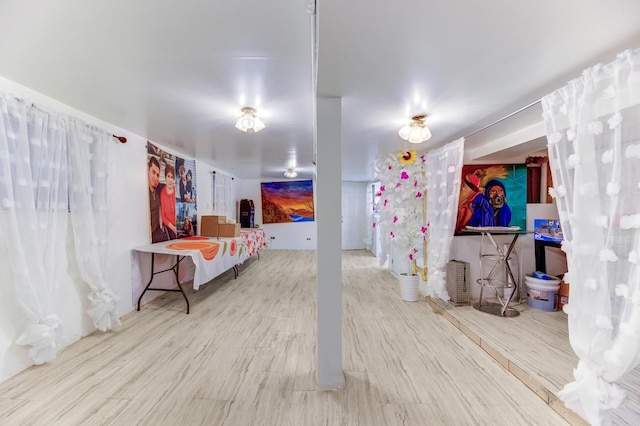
(354,204)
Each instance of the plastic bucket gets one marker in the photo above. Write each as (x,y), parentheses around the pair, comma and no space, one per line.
(542,294)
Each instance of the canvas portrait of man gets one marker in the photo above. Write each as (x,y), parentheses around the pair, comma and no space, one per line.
(492,195)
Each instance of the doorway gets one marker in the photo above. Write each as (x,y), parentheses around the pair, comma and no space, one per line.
(354,202)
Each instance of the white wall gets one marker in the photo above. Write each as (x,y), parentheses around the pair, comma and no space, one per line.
(290,236)
(129,227)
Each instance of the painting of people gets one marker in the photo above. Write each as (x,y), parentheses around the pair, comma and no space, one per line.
(172,208)
(492,195)
(289,201)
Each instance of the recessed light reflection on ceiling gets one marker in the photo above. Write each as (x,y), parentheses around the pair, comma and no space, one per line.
(415,105)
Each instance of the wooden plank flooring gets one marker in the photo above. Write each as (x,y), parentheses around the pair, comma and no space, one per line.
(246,356)
(534,347)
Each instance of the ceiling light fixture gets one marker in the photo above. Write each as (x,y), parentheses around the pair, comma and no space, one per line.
(249,120)
(290,173)
(416,131)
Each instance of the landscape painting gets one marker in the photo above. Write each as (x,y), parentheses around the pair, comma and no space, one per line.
(289,201)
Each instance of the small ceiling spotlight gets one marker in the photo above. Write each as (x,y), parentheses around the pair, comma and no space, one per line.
(249,120)
(416,131)
(290,173)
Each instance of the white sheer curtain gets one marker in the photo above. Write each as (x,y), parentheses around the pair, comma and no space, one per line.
(224,196)
(444,168)
(50,165)
(593,129)
(88,200)
(33,216)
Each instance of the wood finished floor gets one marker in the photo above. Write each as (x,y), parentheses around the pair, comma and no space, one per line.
(534,346)
(246,356)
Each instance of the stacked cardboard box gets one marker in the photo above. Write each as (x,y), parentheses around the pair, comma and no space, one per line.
(229,230)
(210,226)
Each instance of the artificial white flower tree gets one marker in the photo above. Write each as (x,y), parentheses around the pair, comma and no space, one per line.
(402,206)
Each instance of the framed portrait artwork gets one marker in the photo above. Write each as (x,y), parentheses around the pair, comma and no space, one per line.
(492,195)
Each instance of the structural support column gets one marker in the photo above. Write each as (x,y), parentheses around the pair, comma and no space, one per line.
(329,253)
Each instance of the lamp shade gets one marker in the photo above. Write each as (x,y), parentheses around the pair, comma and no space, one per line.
(405,132)
(258,125)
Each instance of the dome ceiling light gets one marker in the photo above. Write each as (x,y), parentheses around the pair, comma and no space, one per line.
(416,131)
(249,120)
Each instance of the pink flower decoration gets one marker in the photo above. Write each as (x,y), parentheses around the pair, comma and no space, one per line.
(415,183)
(378,194)
(424,229)
(410,256)
(374,225)
(398,185)
(404,175)
(385,202)
(389,167)
(395,219)
(422,158)
(391,234)
(419,194)
(381,188)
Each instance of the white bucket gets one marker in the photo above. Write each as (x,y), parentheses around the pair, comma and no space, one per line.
(541,294)
(539,284)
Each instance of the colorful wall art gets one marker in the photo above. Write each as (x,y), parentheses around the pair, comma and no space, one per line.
(172,195)
(289,201)
(492,195)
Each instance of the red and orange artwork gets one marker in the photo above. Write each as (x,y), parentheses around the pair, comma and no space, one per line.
(290,201)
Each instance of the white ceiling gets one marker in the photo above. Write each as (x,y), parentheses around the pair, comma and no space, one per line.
(177,73)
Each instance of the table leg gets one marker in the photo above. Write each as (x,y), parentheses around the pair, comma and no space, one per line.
(499,258)
(513,280)
(176,269)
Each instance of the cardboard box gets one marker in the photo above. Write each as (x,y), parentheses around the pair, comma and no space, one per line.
(210,225)
(229,230)
(563,294)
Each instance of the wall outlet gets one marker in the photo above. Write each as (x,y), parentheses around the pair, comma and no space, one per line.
(273,238)
(308,238)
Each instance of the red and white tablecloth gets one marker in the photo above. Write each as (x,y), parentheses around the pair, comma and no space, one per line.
(253,239)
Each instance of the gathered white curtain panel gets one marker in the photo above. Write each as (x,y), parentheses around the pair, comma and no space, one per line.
(444,170)
(40,165)
(33,212)
(88,201)
(593,131)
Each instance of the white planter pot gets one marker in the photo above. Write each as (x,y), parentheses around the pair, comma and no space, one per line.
(409,287)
